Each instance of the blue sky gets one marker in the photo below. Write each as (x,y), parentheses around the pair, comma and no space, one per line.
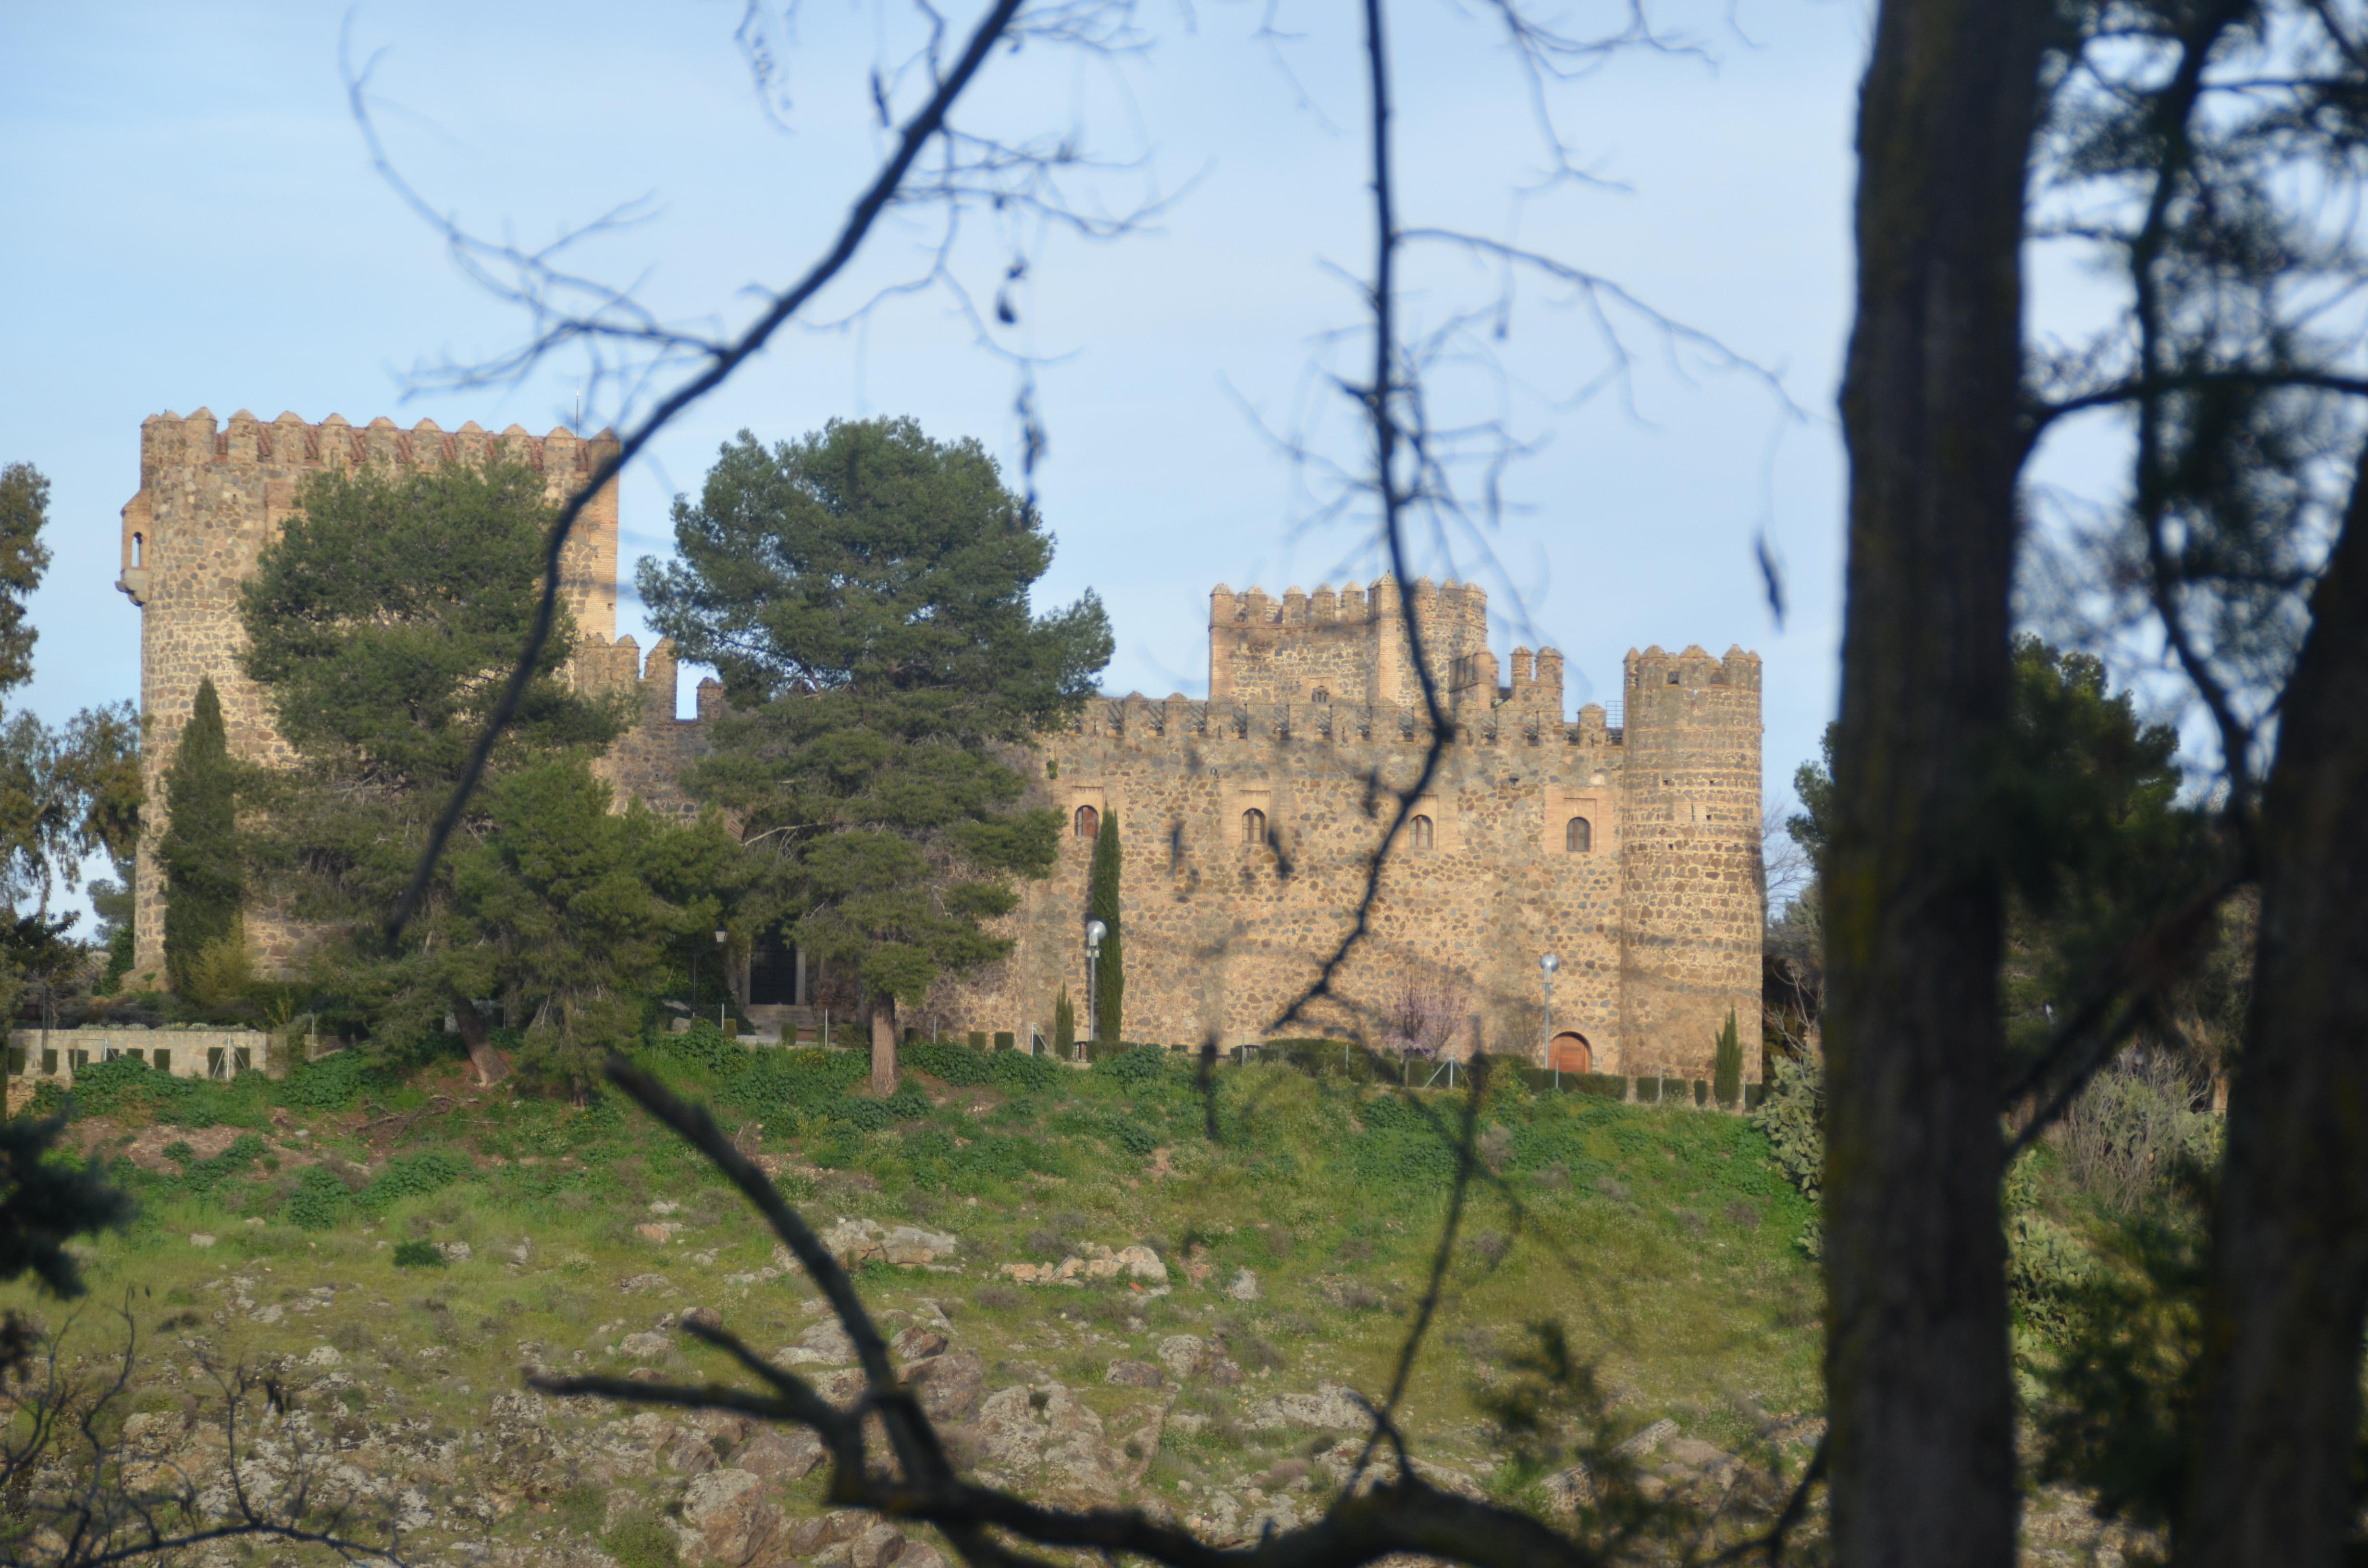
(193,221)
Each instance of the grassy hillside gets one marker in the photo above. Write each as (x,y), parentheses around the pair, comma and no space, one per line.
(1297,1217)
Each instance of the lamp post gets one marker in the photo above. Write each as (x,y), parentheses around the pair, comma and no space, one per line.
(721,937)
(1546,967)
(1095,932)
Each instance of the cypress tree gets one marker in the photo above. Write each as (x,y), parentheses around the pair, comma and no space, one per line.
(203,886)
(1109,986)
(1065,1026)
(1727,1064)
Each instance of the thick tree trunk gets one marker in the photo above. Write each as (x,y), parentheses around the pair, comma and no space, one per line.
(2287,1291)
(484,1054)
(883,1045)
(1921,1452)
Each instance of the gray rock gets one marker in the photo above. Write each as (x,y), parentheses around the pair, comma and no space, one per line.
(1186,1356)
(780,1454)
(876,1547)
(917,1344)
(1132,1375)
(648,1346)
(455,1252)
(948,1386)
(732,1520)
(644,1282)
(1245,1287)
(1331,1408)
(808,1537)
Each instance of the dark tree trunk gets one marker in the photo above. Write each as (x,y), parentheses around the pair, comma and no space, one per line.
(2287,1291)
(883,1045)
(484,1054)
(1921,1458)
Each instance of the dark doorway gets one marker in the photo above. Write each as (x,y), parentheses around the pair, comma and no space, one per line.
(776,974)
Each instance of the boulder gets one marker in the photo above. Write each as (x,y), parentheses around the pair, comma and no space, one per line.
(1045,1442)
(1331,1408)
(853,1242)
(808,1537)
(1142,1263)
(1186,1356)
(644,1282)
(1245,1287)
(917,1344)
(1132,1375)
(732,1519)
(653,1232)
(824,1343)
(648,1346)
(946,1386)
(456,1252)
(779,1453)
(702,1317)
(200,1239)
(877,1547)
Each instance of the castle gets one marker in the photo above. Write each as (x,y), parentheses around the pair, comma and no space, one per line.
(1627,846)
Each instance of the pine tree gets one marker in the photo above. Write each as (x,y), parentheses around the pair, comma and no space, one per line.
(864,593)
(371,623)
(1727,1064)
(1065,1026)
(204,884)
(1109,985)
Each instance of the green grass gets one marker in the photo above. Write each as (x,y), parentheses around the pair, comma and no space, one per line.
(1660,1237)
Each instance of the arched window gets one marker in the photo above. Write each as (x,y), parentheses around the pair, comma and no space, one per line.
(1580,836)
(1421,831)
(1322,695)
(139,546)
(1089,821)
(1254,827)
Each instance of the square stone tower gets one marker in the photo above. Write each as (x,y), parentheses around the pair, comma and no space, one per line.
(210,497)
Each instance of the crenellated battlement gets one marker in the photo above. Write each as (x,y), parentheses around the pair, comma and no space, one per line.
(170,439)
(1178,722)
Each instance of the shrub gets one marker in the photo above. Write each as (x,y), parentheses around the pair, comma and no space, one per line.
(1648,1091)
(1135,1138)
(419,1255)
(415,1176)
(319,1201)
(1602,1085)
(2132,1128)
(1673,1090)
(329,1083)
(1701,1092)
(1727,1064)
(1134,1064)
(1006,1040)
(1792,1114)
(955,1065)
(1065,1026)
(978,1040)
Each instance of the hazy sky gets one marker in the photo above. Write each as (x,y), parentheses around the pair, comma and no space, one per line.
(193,221)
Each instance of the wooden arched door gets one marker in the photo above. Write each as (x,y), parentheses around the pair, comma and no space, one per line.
(1571,1052)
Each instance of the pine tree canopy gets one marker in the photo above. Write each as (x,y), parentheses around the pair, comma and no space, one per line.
(386,617)
(381,623)
(24,509)
(864,594)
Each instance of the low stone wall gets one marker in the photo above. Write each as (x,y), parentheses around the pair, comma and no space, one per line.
(55,1054)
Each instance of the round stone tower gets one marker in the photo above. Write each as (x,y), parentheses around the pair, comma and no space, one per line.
(1693,900)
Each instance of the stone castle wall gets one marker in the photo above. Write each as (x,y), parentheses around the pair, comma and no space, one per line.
(1314,717)
(1655,921)
(210,496)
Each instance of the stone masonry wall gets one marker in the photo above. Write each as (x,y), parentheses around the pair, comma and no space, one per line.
(1314,717)
(210,496)
(1655,922)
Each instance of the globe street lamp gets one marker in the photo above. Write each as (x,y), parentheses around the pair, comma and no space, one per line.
(1095,932)
(1546,967)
